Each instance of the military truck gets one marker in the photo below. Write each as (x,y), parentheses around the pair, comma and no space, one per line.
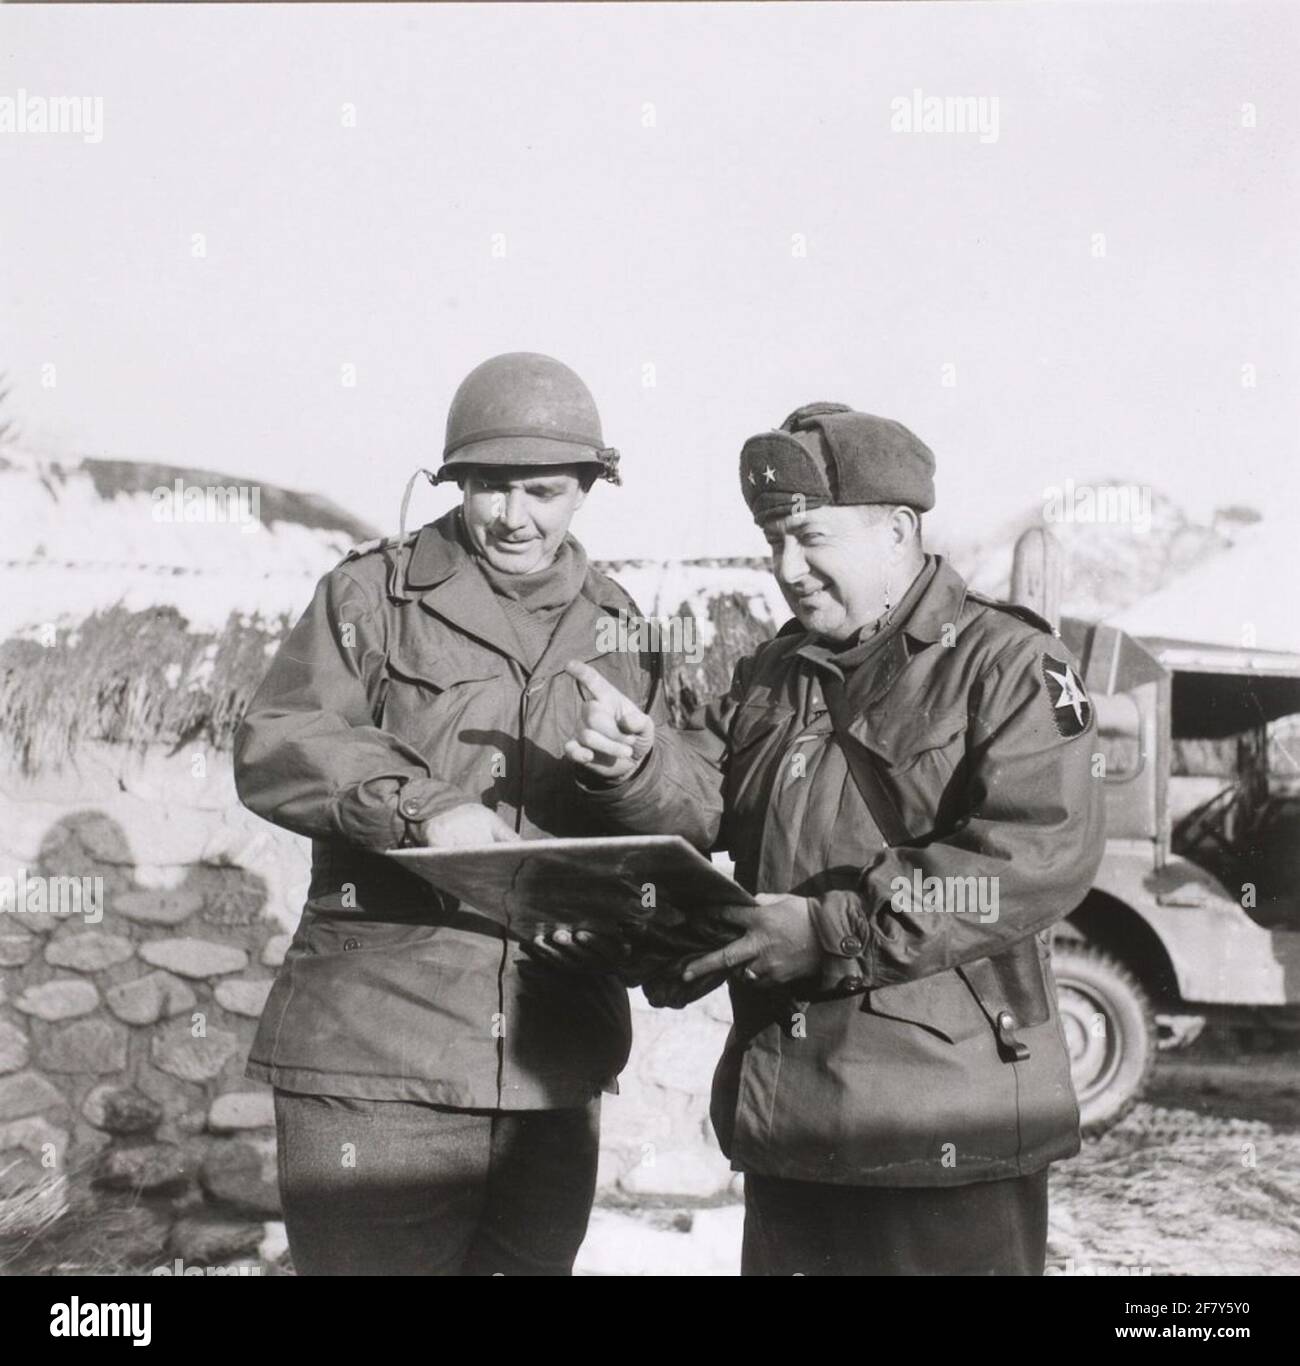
(1194,915)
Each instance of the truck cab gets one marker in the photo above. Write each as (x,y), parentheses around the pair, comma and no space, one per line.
(1195,911)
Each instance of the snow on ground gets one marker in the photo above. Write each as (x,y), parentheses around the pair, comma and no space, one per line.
(1203,1178)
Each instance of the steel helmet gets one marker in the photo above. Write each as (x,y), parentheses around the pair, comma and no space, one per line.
(524,409)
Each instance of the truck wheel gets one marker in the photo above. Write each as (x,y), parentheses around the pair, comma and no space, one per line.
(1109,1030)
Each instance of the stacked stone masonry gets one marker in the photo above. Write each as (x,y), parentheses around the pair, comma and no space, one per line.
(123,1042)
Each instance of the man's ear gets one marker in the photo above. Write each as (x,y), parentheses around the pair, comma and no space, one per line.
(905,527)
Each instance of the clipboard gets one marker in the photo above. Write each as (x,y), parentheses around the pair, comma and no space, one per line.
(648,888)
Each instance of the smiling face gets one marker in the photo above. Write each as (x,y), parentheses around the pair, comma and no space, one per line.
(834,564)
(517,517)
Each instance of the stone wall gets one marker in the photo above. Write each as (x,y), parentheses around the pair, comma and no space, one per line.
(122,1043)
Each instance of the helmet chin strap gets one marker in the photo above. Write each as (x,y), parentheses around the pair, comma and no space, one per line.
(406,498)
(394,574)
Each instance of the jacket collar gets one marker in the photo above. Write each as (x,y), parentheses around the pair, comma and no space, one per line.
(437,553)
(937,609)
(442,573)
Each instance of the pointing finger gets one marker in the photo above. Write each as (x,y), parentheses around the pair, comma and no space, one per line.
(598,687)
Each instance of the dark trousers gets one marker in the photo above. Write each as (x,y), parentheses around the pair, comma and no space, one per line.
(803,1228)
(394,1188)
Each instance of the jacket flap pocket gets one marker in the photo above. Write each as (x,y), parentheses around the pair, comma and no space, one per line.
(328,934)
(754,720)
(899,738)
(941,1003)
(1014,980)
(443,670)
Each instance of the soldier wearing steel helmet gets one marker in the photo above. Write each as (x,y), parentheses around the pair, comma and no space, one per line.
(437,1090)
(904,778)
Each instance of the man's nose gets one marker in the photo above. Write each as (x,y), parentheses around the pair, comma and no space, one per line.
(790,563)
(511,510)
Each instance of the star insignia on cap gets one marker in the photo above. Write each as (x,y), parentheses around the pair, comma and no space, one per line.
(1071,707)
(769,474)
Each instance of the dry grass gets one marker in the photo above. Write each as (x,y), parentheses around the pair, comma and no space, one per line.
(53,1228)
(133,678)
(60,1227)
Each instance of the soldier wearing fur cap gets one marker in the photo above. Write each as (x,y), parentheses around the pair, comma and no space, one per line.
(903,778)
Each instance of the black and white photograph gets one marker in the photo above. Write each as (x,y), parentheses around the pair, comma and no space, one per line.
(650,640)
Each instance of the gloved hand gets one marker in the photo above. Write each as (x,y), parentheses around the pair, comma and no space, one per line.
(578,950)
(665,989)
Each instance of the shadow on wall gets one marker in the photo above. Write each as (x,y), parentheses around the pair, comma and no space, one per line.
(90,843)
(124,1115)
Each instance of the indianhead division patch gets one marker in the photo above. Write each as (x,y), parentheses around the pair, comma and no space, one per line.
(1071,706)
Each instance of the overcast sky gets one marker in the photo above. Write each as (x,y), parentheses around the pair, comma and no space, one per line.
(653,172)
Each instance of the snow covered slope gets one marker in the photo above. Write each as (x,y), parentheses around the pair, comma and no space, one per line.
(84,536)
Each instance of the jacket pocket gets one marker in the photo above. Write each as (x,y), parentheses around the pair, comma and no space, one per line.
(419,687)
(900,740)
(754,722)
(941,1003)
(323,935)
(439,671)
(1016,980)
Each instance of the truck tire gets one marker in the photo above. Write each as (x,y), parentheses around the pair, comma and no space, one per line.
(1110,1032)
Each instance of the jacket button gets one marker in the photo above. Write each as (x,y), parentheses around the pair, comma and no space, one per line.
(852,985)
(410,808)
(350,944)
(1006,1020)
(850,946)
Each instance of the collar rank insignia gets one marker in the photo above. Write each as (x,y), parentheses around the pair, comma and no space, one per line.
(1071,706)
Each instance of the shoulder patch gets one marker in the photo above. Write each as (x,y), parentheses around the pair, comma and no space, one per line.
(1071,706)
